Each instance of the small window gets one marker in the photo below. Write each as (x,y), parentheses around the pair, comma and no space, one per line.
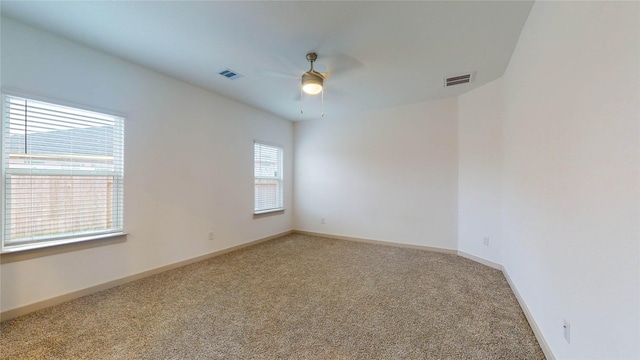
(267,172)
(63,174)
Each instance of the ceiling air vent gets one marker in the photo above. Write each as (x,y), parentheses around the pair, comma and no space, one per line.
(458,79)
(231,74)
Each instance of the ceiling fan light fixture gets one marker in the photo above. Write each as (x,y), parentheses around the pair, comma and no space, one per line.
(312,82)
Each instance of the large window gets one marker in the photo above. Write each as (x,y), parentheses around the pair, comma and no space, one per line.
(62,172)
(267,172)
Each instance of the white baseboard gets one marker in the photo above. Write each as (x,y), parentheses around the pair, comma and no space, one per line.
(532,322)
(23,310)
(378,242)
(480,260)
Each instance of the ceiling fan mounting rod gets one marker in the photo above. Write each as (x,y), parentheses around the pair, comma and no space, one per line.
(312,57)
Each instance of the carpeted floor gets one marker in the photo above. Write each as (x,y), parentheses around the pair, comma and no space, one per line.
(297,297)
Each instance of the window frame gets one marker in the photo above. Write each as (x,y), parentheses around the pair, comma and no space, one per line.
(43,242)
(280,179)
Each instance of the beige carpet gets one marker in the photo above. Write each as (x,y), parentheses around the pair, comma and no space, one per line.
(297,297)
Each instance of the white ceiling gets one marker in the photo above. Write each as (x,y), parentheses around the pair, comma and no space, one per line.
(378,54)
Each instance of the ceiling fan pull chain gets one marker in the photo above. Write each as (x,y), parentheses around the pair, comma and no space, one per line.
(301,101)
(322,101)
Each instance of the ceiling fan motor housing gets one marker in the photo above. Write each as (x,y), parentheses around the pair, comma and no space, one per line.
(312,82)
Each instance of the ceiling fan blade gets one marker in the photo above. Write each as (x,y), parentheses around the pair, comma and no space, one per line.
(331,92)
(293,67)
(268,72)
(338,64)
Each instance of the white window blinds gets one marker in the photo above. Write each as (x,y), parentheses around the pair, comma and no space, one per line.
(63,173)
(267,178)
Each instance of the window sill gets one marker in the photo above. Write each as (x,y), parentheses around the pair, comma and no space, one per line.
(30,251)
(261,214)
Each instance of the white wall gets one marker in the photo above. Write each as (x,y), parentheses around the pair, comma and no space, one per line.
(480,171)
(571,189)
(188,164)
(385,175)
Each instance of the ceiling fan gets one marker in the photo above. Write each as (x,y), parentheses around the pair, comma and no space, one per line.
(312,81)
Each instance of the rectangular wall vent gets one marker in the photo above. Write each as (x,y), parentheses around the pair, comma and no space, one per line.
(231,74)
(458,79)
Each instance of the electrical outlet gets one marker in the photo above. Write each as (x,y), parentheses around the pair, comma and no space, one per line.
(567,331)
(485,240)
(322,221)
(211,235)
